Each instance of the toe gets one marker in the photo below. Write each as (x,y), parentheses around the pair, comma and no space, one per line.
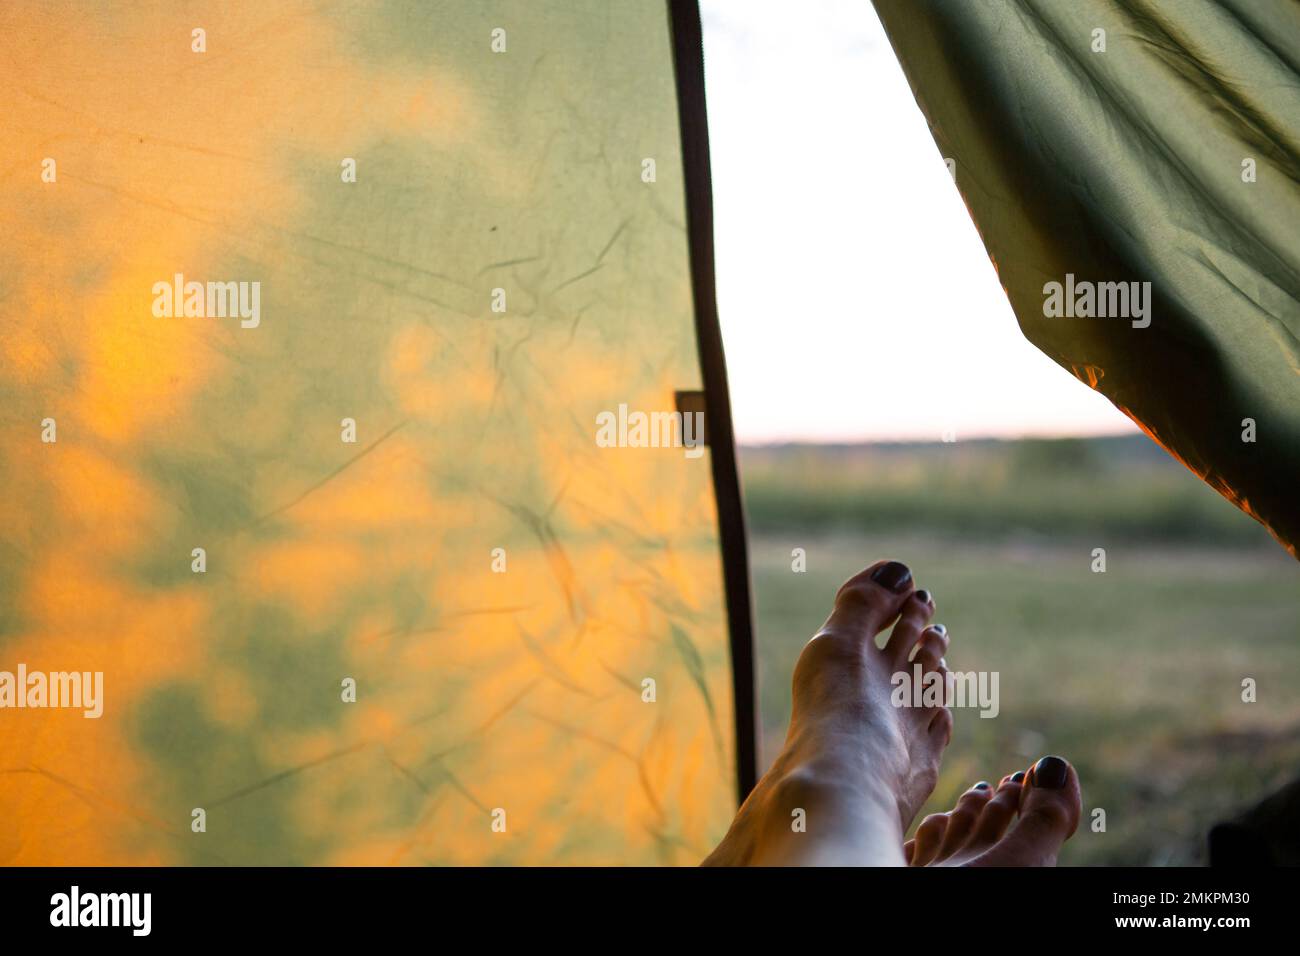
(940,726)
(912,618)
(928,839)
(995,817)
(1050,805)
(1051,792)
(868,601)
(962,819)
(931,647)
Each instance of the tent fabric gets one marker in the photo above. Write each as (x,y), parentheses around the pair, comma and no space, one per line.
(1131,141)
(535,625)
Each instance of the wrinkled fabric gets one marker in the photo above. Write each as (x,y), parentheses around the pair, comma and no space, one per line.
(1128,165)
(534,624)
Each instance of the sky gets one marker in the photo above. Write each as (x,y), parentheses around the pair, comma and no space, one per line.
(856,299)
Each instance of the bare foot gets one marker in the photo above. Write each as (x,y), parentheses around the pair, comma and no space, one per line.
(978,831)
(855,768)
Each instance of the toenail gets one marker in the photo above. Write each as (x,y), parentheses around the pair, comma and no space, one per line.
(939,627)
(982,785)
(893,575)
(1050,773)
(1018,776)
(923,597)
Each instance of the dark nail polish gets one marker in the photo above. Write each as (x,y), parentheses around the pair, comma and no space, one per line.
(982,785)
(1018,776)
(1050,773)
(893,575)
(923,596)
(939,627)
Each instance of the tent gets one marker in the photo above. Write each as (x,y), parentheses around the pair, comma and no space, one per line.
(1105,146)
(310,314)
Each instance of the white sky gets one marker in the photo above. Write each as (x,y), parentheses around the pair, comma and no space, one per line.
(857,301)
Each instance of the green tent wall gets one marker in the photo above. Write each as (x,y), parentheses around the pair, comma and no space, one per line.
(361,582)
(1139,141)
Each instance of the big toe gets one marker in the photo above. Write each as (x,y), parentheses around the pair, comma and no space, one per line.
(1050,805)
(867,602)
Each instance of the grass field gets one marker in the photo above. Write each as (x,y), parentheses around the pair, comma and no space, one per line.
(1134,674)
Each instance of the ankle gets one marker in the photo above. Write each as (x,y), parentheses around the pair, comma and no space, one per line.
(869,755)
(823,789)
(817,814)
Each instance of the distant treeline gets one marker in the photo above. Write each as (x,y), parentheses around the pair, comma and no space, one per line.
(1121,487)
